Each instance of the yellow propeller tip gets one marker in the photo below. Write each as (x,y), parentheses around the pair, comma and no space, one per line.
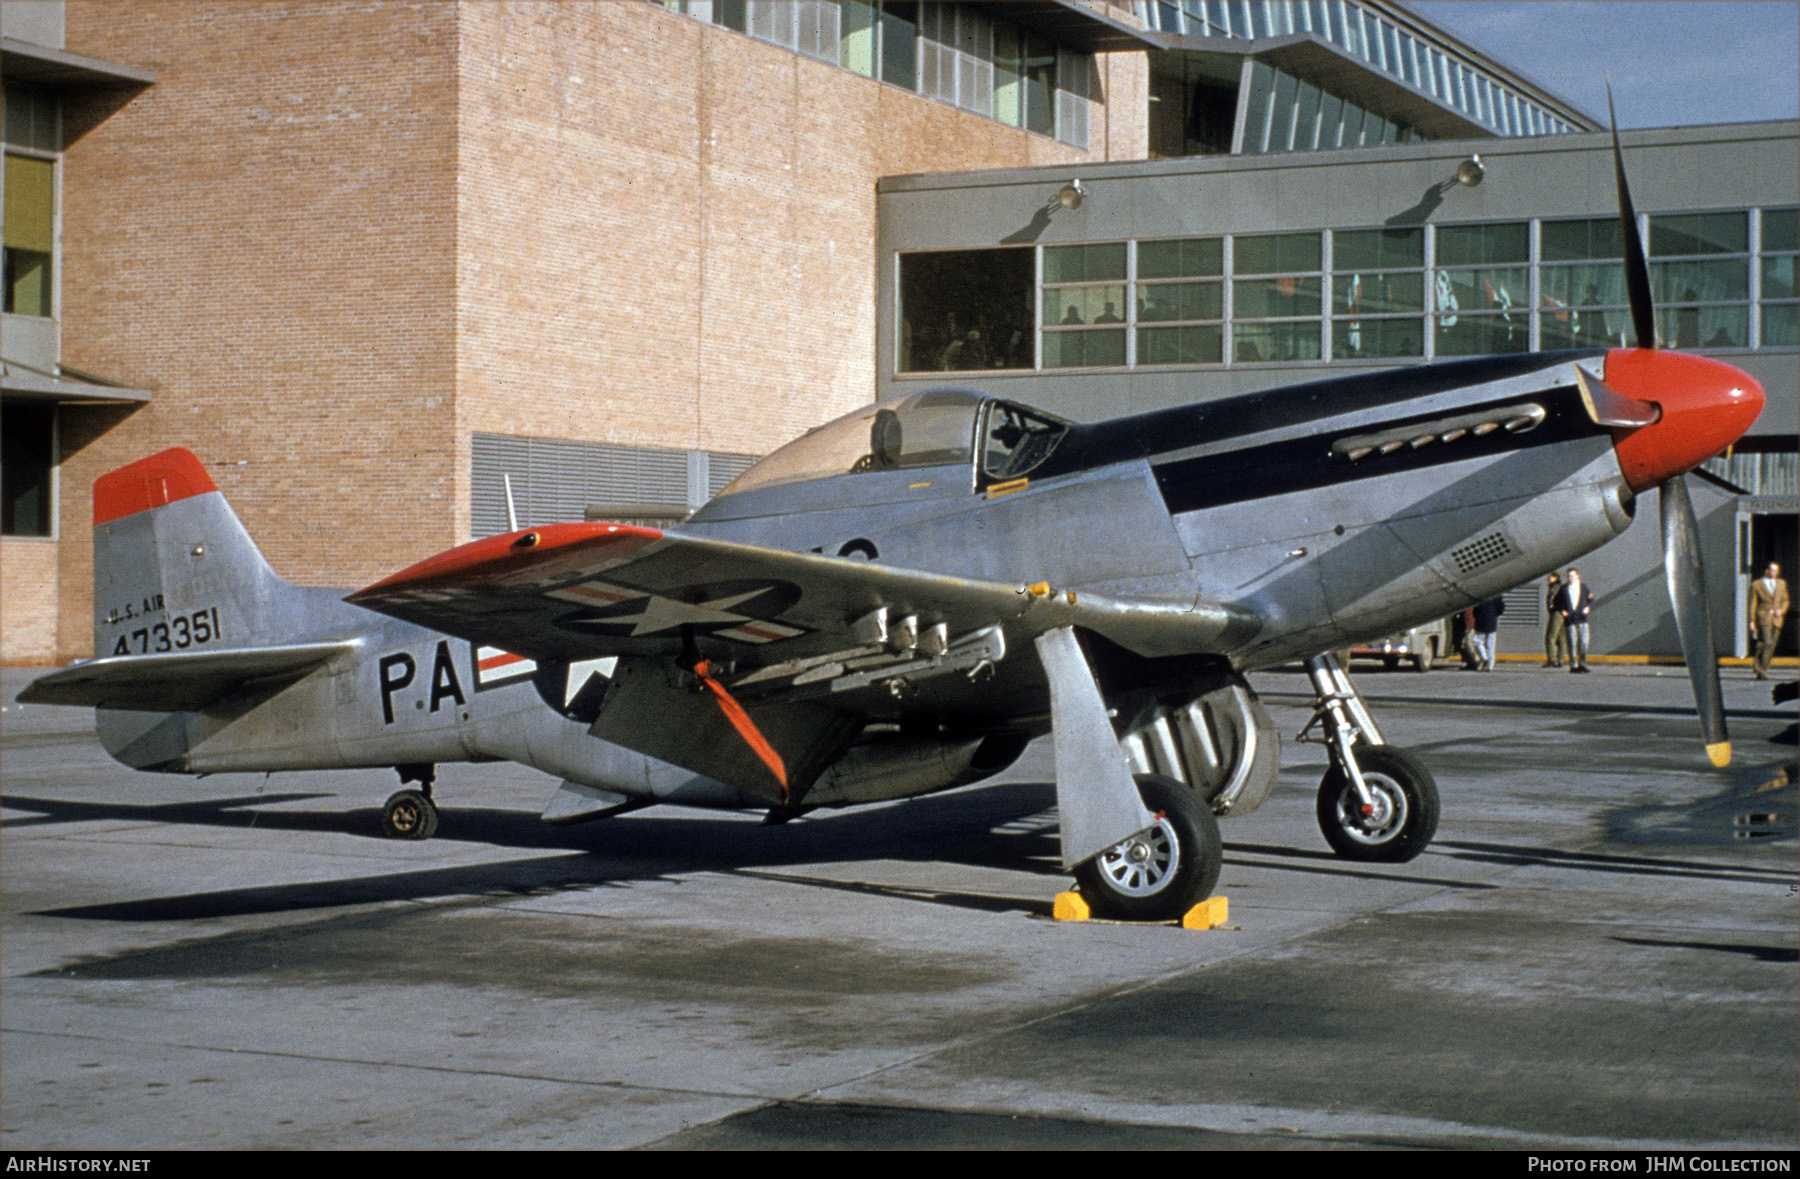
(1720,753)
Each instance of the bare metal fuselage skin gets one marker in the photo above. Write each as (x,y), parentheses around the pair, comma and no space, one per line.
(1467,479)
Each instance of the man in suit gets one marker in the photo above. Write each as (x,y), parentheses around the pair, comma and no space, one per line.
(1576,603)
(1768,610)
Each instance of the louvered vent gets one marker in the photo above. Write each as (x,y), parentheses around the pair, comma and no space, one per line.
(557,479)
(1484,551)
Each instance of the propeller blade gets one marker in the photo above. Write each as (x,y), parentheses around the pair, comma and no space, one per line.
(1693,618)
(1637,270)
(1609,407)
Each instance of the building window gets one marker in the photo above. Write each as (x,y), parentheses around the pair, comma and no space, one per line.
(1181,301)
(1378,293)
(1084,305)
(1276,313)
(1581,285)
(1480,289)
(1700,276)
(1775,293)
(27,469)
(956,53)
(967,309)
(33,137)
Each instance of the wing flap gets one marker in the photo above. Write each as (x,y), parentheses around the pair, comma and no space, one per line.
(181,681)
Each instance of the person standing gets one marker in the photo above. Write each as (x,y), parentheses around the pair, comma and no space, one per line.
(1768,610)
(1487,623)
(1556,630)
(1575,603)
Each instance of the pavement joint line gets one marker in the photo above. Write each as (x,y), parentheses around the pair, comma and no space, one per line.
(1541,705)
(414,1066)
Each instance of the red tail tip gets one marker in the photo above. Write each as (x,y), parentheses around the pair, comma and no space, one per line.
(174,474)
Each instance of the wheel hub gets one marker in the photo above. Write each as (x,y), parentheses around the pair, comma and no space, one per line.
(1377,823)
(1144,864)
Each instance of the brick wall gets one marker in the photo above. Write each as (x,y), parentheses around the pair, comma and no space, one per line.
(265,239)
(335,239)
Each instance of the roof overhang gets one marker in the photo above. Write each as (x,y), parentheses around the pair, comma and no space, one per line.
(23,61)
(1313,59)
(1087,27)
(65,386)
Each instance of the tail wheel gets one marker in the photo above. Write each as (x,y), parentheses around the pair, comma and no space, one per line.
(1161,872)
(1405,813)
(409,815)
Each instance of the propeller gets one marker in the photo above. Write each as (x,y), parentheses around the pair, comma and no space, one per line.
(1683,568)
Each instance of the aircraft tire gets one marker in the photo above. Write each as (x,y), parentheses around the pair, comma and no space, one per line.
(1407,802)
(408,814)
(1161,874)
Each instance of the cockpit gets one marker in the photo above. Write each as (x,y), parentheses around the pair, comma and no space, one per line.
(935,428)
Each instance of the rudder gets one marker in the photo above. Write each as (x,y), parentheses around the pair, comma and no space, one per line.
(174,568)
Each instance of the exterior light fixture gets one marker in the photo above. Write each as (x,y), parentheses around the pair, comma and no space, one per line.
(1470,172)
(1069,197)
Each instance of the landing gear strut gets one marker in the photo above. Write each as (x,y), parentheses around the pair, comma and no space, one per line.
(411,814)
(1376,803)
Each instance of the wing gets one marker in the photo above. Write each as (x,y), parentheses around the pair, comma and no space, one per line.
(181,681)
(577,591)
(816,648)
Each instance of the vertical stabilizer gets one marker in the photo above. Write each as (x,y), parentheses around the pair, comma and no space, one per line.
(174,569)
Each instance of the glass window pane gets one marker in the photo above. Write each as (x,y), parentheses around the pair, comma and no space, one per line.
(1375,294)
(1040,84)
(1353,338)
(1699,233)
(966,309)
(1270,297)
(27,467)
(1703,327)
(1374,249)
(1078,306)
(1083,349)
(1596,284)
(1164,302)
(1252,343)
(1467,245)
(1584,328)
(1198,344)
(1704,282)
(1090,263)
(899,29)
(30,241)
(1009,75)
(1572,240)
(1481,335)
(1780,228)
(1276,252)
(856,39)
(1781,326)
(1479,289)
(1778,278)
(1181,258)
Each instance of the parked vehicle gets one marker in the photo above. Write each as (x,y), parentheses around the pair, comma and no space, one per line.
(1421,646)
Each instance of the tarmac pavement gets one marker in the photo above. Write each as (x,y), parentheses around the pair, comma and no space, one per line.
(1598,952)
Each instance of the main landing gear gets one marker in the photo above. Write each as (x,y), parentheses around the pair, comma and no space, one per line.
(1376,803)
(1163,871)
(411,814)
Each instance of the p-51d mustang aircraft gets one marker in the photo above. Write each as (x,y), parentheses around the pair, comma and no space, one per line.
(897,602)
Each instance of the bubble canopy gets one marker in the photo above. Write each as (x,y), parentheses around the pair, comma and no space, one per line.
(935,428)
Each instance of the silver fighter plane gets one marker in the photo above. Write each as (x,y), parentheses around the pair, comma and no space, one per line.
(900,600)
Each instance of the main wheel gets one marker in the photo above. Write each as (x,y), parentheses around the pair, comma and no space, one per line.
(1162,872)
(409,815)
(1405,816)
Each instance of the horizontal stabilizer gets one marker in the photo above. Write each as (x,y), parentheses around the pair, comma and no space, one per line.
(181,681)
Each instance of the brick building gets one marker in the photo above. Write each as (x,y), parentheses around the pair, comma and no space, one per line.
(327,245)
